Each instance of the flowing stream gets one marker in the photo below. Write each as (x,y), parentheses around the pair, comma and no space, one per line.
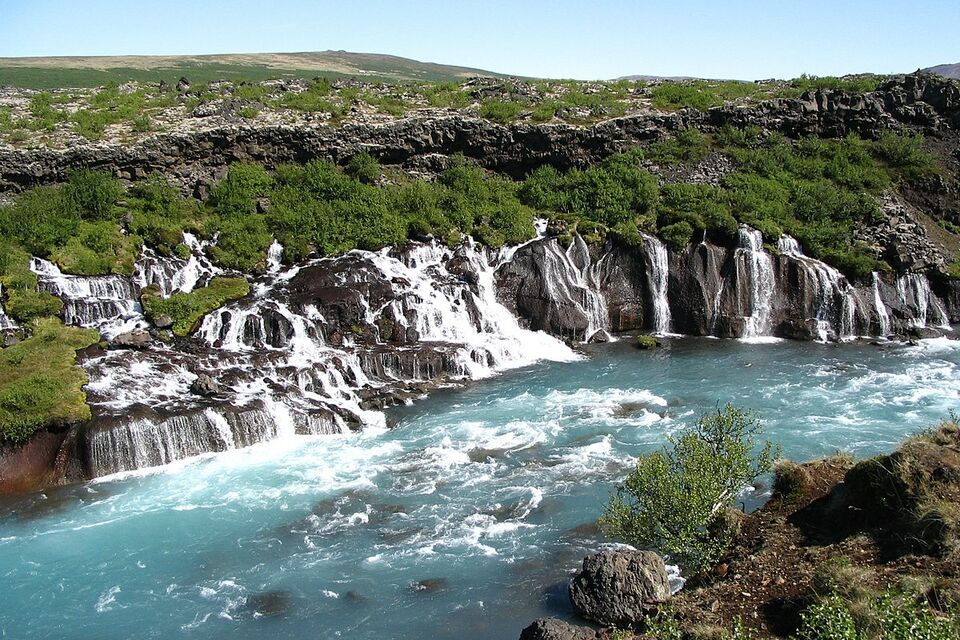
(463,520)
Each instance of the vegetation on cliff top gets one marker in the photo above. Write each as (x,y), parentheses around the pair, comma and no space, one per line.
(141,108)
(39,384)
(816,190)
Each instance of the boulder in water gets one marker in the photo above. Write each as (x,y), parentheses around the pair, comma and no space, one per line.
(599,337)
(205,385)
(554,629)
(619,587)
(269,603)
(136,339)
(429,585)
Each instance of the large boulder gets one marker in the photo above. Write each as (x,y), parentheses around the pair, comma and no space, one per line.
(619,587)
(136,339)
(554,629)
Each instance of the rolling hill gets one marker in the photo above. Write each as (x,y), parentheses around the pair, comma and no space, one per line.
(946,70)
(91,71)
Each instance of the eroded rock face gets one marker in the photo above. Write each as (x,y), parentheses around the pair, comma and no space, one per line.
(423,141)
(619,587)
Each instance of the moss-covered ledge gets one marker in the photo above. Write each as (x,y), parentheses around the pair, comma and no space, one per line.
(40,384)
(186,309)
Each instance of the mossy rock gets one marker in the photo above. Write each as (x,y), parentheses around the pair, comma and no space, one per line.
(647,342)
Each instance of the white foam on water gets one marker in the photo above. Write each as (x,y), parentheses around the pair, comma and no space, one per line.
(106,599)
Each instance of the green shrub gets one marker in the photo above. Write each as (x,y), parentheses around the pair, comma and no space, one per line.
(673,496)
(699,94)
(905,154)
(364,167)
(92,194)
(685,146)
(501,111)
(447,95)
(159,216)
(187,309)
(904,619)
(676,235)
(141,124)
(828,619)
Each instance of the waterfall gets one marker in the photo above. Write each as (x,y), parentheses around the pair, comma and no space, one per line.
(572,280)
(913,290)
(880,308)
(830,285)
(659,278)
(274,257)
(172,274)
(751,255)
(143,442)
(108,303)
(6,322)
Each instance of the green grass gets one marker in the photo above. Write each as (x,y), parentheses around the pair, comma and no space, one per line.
(40,384)
(187,309)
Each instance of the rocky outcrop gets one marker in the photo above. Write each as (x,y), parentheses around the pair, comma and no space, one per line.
(619,587)
(554,629)
(424,141)
(724,291)
(900,239)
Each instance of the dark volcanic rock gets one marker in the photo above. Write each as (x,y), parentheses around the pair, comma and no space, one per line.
(617,587)
(269,603)
(205,385)
(554,629)
(136,339)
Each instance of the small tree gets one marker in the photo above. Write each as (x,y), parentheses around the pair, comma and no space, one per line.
(675,500)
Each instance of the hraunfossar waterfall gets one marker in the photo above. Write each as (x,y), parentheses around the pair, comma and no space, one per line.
(397,403)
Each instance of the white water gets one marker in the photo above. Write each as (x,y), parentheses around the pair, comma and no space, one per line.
(830,285)
(571,279)
(757,262)
(880,308)
(109,303)
(6,322)
(913,289)
(659,278)
(174,274)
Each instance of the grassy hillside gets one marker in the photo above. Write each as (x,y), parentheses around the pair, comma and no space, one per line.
(54,72)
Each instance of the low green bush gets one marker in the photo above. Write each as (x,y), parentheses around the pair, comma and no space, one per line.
(501,111)
(828,619)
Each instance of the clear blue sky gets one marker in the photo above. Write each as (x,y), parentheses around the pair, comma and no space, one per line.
(746,39)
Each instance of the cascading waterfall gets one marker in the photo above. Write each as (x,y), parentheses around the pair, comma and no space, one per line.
(109,303)
(751,255)
(830,285)
(285,369)
(299,380)
(574,266)
(6,322)
(913,289)
(172,274)
(883,317)
(659,278)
